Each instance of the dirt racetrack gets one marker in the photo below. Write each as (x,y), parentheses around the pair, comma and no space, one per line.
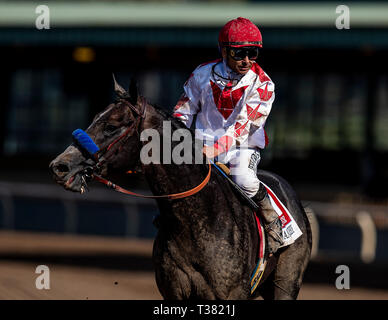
(94,268)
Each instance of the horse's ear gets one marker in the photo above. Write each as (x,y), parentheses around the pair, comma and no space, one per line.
(133,92)
(119,89)
(136,99)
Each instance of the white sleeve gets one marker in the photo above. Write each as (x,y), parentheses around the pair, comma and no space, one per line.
(260,104)
(189,103)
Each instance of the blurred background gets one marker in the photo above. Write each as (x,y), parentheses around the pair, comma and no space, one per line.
(327,132)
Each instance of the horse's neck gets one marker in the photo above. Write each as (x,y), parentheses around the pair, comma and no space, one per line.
(168,178)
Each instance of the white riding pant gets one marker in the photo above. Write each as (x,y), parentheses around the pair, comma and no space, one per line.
(243,168)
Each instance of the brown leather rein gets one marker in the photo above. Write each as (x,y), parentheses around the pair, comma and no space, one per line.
(180,195)
(117,188)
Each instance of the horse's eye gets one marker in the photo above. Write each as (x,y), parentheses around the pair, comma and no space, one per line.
(109,128)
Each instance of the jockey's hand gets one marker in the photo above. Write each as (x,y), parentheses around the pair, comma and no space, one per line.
(210,152)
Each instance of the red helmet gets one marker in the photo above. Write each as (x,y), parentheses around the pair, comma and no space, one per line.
(240,32)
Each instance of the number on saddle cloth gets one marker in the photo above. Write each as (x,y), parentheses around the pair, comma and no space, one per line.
(83,139)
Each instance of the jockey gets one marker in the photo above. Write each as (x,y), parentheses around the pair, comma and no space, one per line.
(232,98)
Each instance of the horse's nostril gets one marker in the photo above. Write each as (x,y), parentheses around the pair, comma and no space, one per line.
(61,168)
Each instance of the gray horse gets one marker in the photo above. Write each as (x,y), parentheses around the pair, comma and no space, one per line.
(207,244)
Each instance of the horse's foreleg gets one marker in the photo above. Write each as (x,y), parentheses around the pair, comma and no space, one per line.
(174,285)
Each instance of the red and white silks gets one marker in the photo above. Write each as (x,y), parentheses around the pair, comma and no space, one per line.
(231,109)
(229,112)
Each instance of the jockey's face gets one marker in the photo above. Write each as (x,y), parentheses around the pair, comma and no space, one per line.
(239,66)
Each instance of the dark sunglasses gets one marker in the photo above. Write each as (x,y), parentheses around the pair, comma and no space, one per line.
(240,53)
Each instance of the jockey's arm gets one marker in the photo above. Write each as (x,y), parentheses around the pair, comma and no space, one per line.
(188,104)
(185,110)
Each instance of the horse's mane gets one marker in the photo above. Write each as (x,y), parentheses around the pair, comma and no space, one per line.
(167,115)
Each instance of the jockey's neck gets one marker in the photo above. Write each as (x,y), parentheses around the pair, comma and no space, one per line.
(230,73)
(225,74)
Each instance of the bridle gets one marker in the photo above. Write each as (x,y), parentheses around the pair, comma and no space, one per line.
(90,173)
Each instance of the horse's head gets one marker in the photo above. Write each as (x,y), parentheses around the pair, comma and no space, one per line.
(115,131)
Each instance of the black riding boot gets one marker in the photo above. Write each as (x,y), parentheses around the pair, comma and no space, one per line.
(272,223)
